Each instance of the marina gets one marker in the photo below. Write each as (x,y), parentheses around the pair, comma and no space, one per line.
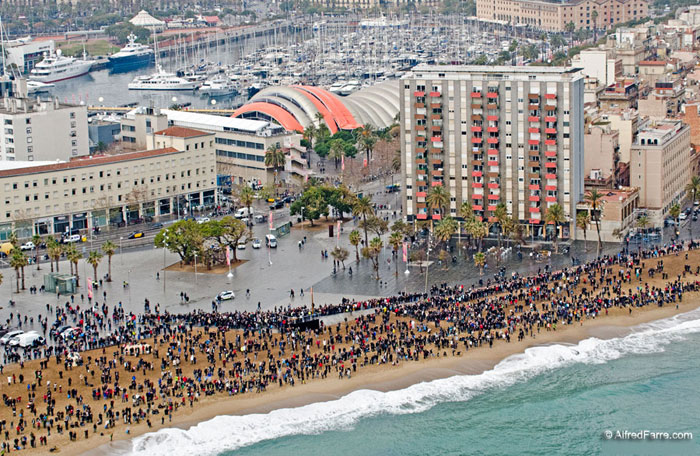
(342,56)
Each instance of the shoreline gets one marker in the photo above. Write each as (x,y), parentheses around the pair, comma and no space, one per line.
(384,379)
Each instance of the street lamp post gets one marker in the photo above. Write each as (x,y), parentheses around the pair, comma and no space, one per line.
(121,252)
(163,269)
(302,217)
(195,268)
(128,284)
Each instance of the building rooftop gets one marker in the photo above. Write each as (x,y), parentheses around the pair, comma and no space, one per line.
(181,132)
(214,122)
(505,70)
(658,134)
(10,165)
(95,160)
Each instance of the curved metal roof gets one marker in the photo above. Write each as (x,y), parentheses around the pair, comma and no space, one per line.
(296,107)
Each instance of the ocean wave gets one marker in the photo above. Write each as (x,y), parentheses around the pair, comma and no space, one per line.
(225,433)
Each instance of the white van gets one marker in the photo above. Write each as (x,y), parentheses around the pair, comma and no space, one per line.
(243,212)
(72,239)
(270,241)
(30,339)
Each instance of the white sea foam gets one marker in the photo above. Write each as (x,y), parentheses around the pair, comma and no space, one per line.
(231,432)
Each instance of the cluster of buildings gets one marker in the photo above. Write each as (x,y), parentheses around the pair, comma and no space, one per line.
(555,16)
(623,118)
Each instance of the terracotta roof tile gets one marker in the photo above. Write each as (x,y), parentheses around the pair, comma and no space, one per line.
(181,132)
(86,162)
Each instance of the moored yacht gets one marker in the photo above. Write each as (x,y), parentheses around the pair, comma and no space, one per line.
(58,67)
(132,55)
(162,80)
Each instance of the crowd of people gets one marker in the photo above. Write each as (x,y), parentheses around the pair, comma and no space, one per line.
(144,368)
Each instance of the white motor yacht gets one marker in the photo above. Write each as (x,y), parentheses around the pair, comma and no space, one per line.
(58,67)
(162,80)
(218,86)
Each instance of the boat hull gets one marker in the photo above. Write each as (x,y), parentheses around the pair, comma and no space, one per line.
(130,62)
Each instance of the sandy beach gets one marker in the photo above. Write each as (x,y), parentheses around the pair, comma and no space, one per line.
(376,377)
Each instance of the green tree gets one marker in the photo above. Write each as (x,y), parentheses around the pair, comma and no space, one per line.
(227,232)
(94,260)
(480,261)
(109,248)
(363,207)
(340,254)
(555,216)
(54,250)
(183,238)
(438,199)
(311,205)
(367,140)
(36,240)
(570,28)
(582,221)
(594,16)
(275,159)
(18,261)
(675,212)
(372,252)
(445,229)
(246,196)
(336,152)
(478,231)
(595,201)
(396,241)
(355,238)
(74,256)
(693,188)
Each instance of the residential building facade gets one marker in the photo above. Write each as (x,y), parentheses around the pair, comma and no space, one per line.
(42,130)
(493,134)
(553,16)
(108,190)
(659,166)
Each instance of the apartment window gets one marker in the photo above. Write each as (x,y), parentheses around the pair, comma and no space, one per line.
(29,139)
(30,149)
(8,122)
(74,143)
(72,115)
(29,130)
(72,124)
(28,121)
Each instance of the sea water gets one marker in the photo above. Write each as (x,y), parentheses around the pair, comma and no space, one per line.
(556,399)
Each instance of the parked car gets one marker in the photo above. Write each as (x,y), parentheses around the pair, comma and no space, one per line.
(4,340)
(226,295)
(157,226)
(271,241)
(241,245)
(73,238)
(682,216)
(27,246)
(135,235)
(203,220)
(277,205)
(257,243)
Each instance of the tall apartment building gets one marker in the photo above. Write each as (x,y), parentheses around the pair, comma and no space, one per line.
(367,4)
(490,135)
(42,130)
(553,16)
(660,166)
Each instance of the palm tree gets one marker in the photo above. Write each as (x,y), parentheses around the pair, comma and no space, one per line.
(336,151)
(445,229)
(275,159)
(55,251)
(372,252)
(693,188)
(395,241)
(480,261)
(355,241)
(74,256)
(246,197)
(595,201)
(502,219)
(368,139)
(94,260)
(309,134)
(109,248)
(320,120)
(570,27)
(675,212)
(582,221)
(13,239)
(363,207)
(18,261)
(594,16)
(396,161)
(36,240)
(555,216)
(438,198)
(466,211)
(478,231)
(643,223)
